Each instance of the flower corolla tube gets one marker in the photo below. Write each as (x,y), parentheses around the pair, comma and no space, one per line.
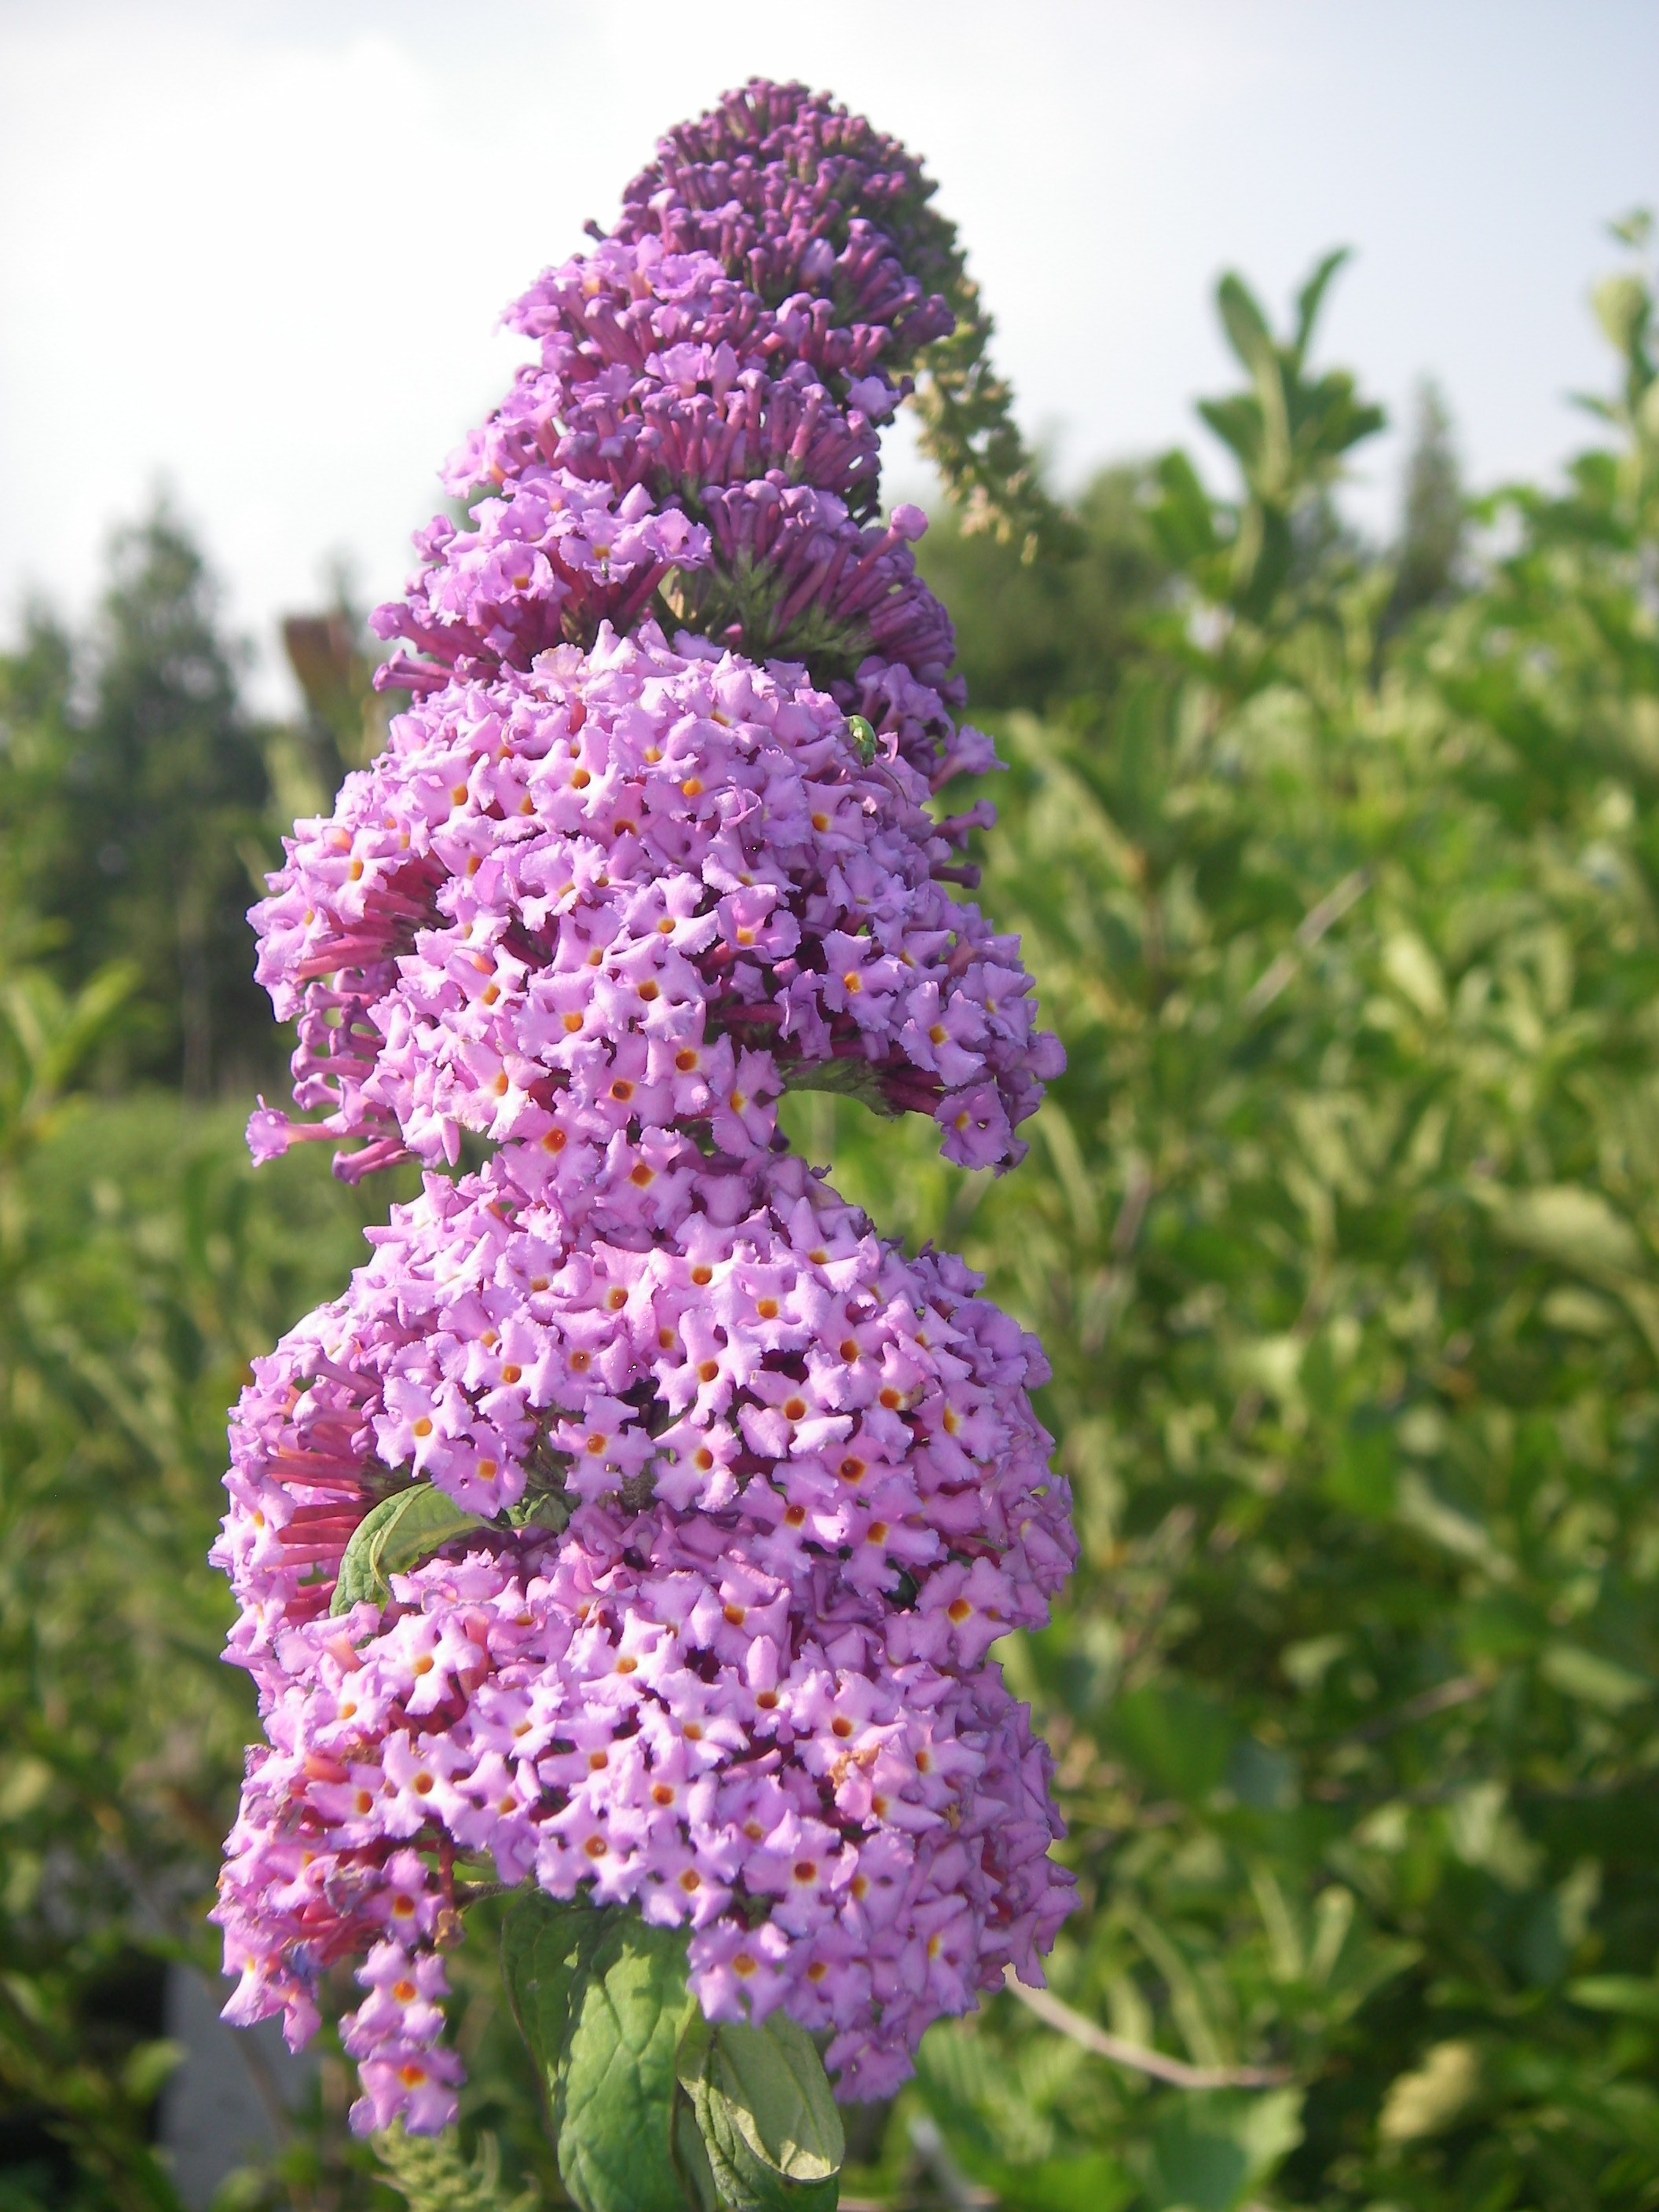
(725,1500)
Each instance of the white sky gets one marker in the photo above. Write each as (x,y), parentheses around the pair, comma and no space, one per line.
(255,252)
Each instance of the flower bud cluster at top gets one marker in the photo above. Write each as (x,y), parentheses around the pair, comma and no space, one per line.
(751,1494)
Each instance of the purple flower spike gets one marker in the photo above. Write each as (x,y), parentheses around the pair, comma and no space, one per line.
(547,912)
(727,1502)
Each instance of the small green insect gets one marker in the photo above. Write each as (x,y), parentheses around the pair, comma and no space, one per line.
(863,739)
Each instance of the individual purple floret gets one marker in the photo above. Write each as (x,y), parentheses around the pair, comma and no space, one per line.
(721,1503)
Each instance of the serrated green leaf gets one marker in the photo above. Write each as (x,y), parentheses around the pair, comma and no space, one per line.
(743,2182)
(602,2002)
(692,2155)
(397,1535)
(737,2178)
(613,2115)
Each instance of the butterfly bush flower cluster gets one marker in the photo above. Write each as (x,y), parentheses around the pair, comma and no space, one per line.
(633,890)
(738,1496)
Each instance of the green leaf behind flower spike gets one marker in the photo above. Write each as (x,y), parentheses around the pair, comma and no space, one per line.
(603,2002)
(397,1535)
(545,1947)
(774,2082)
(765,2114)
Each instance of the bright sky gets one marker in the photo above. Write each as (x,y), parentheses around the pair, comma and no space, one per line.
(255,252)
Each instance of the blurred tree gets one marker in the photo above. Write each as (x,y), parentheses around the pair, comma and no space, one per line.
(38,841)
(164,781)
(1434,517)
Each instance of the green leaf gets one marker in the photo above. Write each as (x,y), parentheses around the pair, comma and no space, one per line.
(1094,2183)
(1563,1222)
(147,2066)
(774,2082)
(692,2153)
(397,1535)
(1237,421)
(624,2008)
(1414,971)
(1176,1735)
(1621,1993)
(602,2002)
(1362,1474)
(765,2114)
(1209,2153)
(1311,297)
(1623,308)
(1245,324)
(1580,1312)
(546,1947)
(1184,517)
(546,1509)
(1432,2097)
(433,2174)
(1591,1679)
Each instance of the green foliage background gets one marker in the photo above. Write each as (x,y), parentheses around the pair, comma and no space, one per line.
(1339,872)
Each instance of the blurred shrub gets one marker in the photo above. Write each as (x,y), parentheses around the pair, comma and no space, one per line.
(140,1267)
(1039,634)
(1343,1235)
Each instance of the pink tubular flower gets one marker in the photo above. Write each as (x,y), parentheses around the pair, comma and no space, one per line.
(733,1499)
